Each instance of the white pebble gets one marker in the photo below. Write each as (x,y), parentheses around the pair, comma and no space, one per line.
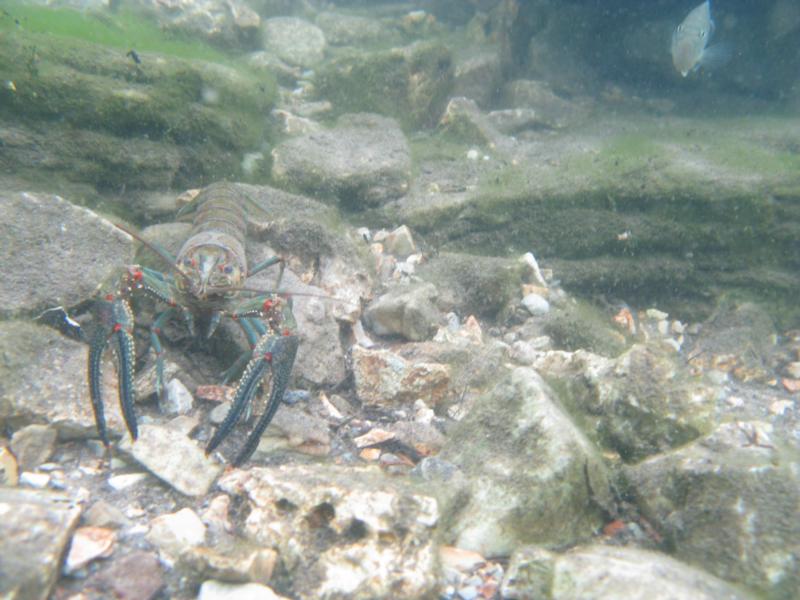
(177,400)
(473,154)
(122,482)
(536,305)
(34,480)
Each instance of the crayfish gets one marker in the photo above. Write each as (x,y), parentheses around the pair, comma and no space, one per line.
(203,283)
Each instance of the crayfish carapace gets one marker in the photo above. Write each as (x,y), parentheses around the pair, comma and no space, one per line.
(205,281)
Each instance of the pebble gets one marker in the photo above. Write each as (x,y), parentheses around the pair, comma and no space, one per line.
(175,532)
(218,590)
(781,407)
(218,414)
(103,514)
(473,154)
(123,482)
(536,305)
(656,315)
(294,396)
(88,543)
(177,400)
(373,437)
(34,480)
(136,576)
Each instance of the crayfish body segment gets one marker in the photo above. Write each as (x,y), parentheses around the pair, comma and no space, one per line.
(204,281)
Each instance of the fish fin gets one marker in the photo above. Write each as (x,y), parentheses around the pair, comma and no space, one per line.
(716,56)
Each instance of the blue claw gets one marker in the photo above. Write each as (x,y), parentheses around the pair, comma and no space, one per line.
(277,353)
(117,319)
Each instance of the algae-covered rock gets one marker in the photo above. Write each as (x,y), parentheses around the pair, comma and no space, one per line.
(729,503)
(190,115)
(474,285)
(409,83)
(533,477)
(364,160)
(609,573)
(641,403)
(579,325)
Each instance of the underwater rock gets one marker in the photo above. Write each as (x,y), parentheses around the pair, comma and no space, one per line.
(34,532)
(294,40)
(420,77)
(341,531)
(608,573)
(350,30)
(44,381)
(478,76)
(404,310)
(463,121)
(364,160)
(176,532)
(543,481)
(137,576)
(550,110)
(474,285)
(174,458)
(54,253)
(639,404)
(383,378)
(728,503)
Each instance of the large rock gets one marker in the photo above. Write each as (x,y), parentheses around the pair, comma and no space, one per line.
(115,123)
(474,285)
(294,40)
(55,253)
(639,404)
(527,466)
(365,159)
(608,573)
(341,532)
(34,531)
(728,503)
(410,83)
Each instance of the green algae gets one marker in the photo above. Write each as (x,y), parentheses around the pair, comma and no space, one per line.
(124,29)
(410,84)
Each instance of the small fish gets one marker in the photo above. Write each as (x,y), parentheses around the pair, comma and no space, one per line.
(690,49)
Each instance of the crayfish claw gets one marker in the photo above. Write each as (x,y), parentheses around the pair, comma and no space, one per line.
(118,321)
(271,352)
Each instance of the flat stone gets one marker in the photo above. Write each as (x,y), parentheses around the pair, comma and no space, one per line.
(88,543)
(35,527)
(173,458)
